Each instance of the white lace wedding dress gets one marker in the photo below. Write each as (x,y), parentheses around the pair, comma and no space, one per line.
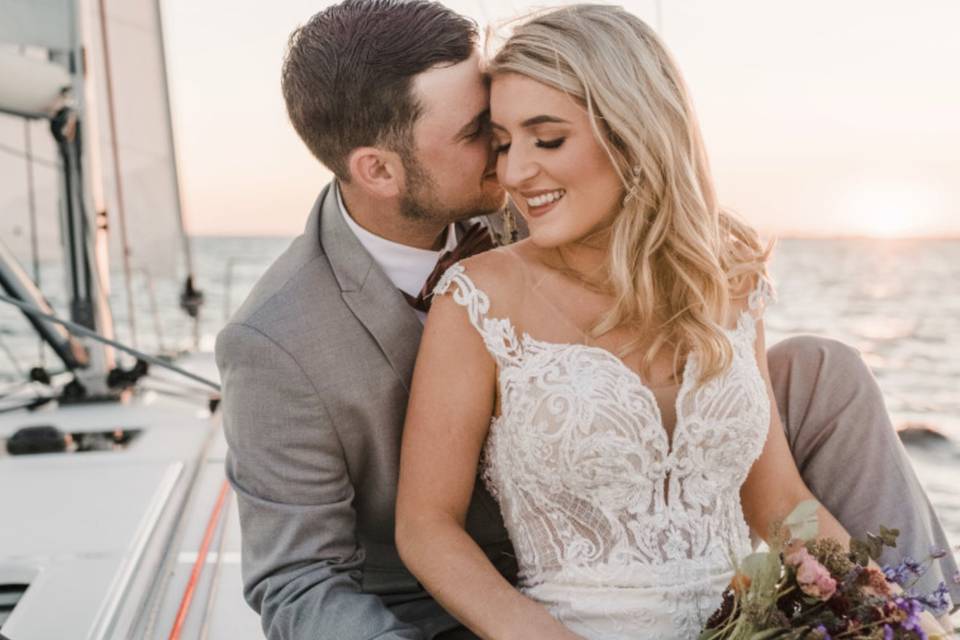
(619,532)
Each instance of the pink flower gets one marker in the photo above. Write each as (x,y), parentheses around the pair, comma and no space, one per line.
(877,584)
(795,553)
(814,579)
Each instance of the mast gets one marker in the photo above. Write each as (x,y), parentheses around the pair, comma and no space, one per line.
(88,265)
(109,109)
(53,90)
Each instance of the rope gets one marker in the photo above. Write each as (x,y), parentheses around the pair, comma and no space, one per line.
(188,593)
(217,572)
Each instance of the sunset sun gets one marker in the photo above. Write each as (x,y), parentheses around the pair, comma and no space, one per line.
(890,211)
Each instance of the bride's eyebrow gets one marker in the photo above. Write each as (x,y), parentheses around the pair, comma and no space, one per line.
(544,119)
(534,121)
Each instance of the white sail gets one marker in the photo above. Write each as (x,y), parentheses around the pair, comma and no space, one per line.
(124,50)
(130,192)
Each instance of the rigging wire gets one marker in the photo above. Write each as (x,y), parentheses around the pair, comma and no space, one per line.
(34,234)
(23,156)
(15,390)
(79,330)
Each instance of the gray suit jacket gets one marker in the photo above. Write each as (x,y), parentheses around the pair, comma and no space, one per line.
(316,368)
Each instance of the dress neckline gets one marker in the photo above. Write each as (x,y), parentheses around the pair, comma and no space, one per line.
(478,312)
(668,436)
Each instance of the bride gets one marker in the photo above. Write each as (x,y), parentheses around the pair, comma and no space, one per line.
(607,374)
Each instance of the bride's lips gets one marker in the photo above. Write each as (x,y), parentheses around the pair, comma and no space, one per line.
(535,211)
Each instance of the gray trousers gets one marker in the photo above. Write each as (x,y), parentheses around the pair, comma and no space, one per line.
(848,453)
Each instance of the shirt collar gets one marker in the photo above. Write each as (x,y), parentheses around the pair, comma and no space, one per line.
(407,267)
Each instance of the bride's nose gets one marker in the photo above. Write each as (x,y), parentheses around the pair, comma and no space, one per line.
(516,167)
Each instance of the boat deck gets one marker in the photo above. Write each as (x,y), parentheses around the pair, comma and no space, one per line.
(107,540)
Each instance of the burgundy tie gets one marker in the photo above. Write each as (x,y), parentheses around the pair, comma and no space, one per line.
(475,240)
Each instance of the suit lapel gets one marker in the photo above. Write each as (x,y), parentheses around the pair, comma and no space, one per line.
(367,290)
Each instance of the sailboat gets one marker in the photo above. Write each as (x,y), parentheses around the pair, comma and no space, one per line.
(115,517)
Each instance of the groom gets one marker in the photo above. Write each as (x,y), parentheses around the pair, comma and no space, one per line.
(316,364)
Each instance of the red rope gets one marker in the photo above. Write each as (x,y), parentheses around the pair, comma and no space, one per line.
(198,564)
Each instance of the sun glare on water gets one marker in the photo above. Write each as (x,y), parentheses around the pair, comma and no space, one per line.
(890,211)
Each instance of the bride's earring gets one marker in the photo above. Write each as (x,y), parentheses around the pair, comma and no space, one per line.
(509,235)
(633,190)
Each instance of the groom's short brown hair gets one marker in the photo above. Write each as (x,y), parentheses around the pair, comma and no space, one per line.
(348,72)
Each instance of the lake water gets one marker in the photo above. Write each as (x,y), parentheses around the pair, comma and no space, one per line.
(897,301)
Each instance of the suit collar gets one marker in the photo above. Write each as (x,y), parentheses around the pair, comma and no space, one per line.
(351,263)
(366,289)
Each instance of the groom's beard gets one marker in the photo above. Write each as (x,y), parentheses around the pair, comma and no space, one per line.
(422,202)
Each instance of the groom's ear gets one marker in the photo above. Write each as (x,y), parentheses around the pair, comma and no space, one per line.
(377,171)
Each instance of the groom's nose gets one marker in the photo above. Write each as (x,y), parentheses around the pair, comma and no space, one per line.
(491,167)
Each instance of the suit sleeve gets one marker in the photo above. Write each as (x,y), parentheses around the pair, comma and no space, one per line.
(300,560)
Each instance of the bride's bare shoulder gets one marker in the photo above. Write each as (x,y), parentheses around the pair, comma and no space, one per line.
(503,268)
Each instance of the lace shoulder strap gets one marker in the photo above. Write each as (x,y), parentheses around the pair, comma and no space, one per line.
(498,334)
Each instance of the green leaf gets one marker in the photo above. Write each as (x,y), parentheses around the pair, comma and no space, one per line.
(802,521)
(756,564)
(874,546)
(859,552)
(889,536)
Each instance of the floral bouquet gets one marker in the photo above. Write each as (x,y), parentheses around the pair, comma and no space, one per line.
(809,589)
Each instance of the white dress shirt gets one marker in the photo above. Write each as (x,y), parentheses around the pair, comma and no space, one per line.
(407,267)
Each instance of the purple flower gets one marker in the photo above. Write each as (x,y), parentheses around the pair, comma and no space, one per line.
(896,574)
(914,567)
(939,600)
(887,632)
(902,572)
(822,630)
(937,552)
(911,607)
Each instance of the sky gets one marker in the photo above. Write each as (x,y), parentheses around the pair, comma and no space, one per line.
(821,118)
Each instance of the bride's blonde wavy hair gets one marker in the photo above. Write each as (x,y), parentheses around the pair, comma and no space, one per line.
(671,242)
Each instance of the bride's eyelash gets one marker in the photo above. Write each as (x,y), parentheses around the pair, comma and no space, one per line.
(550,144)
(543,144)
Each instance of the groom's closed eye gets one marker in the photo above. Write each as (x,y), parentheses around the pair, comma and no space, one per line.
(476,127)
